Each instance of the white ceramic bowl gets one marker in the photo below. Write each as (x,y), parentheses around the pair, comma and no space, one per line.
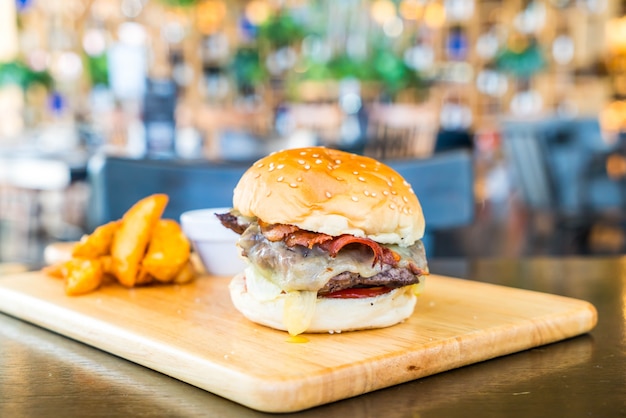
(214,243)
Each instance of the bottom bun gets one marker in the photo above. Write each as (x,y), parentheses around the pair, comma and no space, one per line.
(331,315)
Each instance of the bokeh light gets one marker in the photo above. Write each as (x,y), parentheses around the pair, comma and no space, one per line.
(210,15)
(382,11)
(257,11)
(435,15)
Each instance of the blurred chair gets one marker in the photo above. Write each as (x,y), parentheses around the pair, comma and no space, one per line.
(604,185)
(401,131)
(321,119)
(526,155)
(444,185)
(117,183)
(548,158)
(230,132)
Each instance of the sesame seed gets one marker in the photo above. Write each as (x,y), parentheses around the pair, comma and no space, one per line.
(302,152)
(355,199)
(328,195)
(280,166)
(389,184)
(406,183)
(373,194)
(363,165)
(269,192)
(339,178)
(318,161)
(257,175)
(299,179)
(393,192)
(406,200)
(337,161)
(356,173)
(260,165)
(316,155)
(405,210)
(392,206)
(361,179)
(410,211)
(271,168)
(393,179)
(294,185)
(366,192)
(411,190)
(307,167)
(279,179)
(385,192)
(301,162)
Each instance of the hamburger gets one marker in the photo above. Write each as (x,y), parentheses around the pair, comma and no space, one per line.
(331,240)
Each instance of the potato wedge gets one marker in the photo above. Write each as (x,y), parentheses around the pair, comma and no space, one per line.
(107,264)
(83,275)
(133,236)
(98,243)
(186,274)
(57,270)
(143,277)
(168,251)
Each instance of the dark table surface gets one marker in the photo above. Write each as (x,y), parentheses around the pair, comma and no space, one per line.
(45,374)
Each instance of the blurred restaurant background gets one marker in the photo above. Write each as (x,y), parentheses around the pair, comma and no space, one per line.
(509,118)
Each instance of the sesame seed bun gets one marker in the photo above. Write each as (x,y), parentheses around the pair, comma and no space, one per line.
(332,192)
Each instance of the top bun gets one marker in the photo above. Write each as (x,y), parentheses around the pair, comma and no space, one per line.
(333,192)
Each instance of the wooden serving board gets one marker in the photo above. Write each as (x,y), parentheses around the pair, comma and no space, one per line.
(193,333)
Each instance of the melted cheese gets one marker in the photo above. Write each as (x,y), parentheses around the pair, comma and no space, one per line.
(260,286)
(299,306)
(299,310)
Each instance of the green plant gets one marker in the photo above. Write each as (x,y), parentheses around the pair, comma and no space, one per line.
(98,70)
(16,72)
(179,3)
(281,30)
(381,67)
(247,67)
(521,62)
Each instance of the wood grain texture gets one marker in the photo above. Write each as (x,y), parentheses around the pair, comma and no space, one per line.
(193,333)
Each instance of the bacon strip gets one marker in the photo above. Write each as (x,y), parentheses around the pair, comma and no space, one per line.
(292,235)
(277,232)
(306,238)
(334,246)
(382,254)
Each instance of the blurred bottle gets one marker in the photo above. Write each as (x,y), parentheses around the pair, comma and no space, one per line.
(159,105)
